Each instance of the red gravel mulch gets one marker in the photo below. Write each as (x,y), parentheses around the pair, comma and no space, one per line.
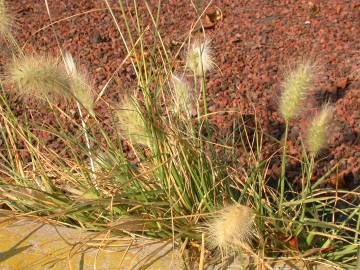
(254,42)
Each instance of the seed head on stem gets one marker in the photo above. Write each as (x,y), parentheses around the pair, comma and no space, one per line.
(199,57)
(6,20)
(80,87)
(317,134)
(182,94)
(131,121)
(295,89)
(232,227)
(39,76)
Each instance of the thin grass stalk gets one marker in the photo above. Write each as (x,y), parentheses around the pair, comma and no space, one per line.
(65,137)
(283,169)
(197,100)
(137,67)
(203,91)
(87,142)
(157,32)
(139,29)
(78,105)
(310,169)
(306,190)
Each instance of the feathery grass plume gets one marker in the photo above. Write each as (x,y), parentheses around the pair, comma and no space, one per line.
(6,20)
(317,134)
(199,57)
(183,98)
(80,88)
(132,122)
(295,89)
(39,76)
(232,227)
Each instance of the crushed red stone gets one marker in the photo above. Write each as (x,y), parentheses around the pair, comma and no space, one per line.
(254,43)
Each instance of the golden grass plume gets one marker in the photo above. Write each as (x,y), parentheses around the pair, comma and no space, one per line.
(232,227)
(182,94)
(39,76)
(6,19)
(80,87)
(317,134)
(295,89)
(131,121)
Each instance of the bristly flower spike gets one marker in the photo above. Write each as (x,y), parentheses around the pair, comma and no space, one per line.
(199,58)
(132,122)
(295,89)
(317,134)
(183,98)
(232,227)
(6,20)
(80,88)
(39,76)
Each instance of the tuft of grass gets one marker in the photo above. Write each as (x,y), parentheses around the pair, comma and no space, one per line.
(173,189)
(296,87)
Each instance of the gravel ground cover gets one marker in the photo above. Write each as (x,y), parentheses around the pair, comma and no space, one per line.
(254,43)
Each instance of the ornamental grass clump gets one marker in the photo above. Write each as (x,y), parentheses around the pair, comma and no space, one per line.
(317,134)
(39,76)
(199,58)
(131,121)
(170,191)
(295,89)
(232,228)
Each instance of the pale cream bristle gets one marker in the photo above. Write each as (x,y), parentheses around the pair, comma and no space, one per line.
(199,57)
(295,89)
(232,227)
(6,20)
(39,76)
(183,98)
(132,122)
(80,88)
(317,134)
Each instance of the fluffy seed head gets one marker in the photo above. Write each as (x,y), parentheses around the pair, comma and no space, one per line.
(6,19)
(295,90)
(199,57)
(131,121)
(317,134)
(232,227)
(39,76)
(80,88)
(183,98)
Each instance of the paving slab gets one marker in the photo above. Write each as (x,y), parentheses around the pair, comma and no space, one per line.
(26,244)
